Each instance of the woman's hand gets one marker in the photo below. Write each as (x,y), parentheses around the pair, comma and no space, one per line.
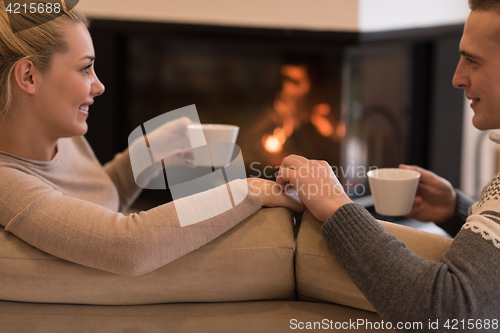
(315,183)
(435,199)
(273,195)
(170,142)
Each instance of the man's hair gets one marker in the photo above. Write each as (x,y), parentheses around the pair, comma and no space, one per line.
(485,5)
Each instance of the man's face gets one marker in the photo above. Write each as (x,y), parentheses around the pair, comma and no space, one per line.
(478,71)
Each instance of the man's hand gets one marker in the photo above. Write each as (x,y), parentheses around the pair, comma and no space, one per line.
(315,183)
(435,199)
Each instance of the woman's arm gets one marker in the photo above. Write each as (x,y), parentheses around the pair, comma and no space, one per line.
(119,170)
(94,236)
(168,142)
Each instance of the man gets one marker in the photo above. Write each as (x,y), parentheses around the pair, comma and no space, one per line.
(402,286)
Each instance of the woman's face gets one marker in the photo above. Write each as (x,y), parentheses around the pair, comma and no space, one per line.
(66,92)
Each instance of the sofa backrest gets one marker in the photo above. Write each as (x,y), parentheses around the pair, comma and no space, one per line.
(253,261)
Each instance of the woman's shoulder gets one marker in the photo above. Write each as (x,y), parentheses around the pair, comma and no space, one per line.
(72,153)
(74,171)
(64,146)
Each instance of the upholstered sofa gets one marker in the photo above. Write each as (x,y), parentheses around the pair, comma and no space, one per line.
(261,276)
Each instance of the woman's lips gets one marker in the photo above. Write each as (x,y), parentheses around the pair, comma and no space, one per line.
(84,109)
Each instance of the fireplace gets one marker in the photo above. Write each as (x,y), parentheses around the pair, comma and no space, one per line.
(355,100)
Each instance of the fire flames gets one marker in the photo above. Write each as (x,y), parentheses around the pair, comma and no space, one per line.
(291,105)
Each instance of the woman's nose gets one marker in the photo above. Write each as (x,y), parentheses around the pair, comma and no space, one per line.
(97,87)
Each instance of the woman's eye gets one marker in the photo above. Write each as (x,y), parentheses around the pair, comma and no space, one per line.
(85,70)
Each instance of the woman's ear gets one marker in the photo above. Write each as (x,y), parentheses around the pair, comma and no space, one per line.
(23,75)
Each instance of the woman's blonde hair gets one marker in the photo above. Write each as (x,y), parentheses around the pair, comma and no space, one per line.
(39,36)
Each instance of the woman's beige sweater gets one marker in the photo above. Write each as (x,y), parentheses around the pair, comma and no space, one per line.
(69,207)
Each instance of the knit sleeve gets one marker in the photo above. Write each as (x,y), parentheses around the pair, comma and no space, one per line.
(89,234)
(404,287)
(453,225)
(119,169)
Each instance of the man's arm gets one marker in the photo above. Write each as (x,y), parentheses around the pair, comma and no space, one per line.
(453,225)
(404,287)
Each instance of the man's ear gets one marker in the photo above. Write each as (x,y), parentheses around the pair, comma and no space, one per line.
(24,73)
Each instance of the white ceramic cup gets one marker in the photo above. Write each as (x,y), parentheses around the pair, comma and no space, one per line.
(393,190)
(215,142)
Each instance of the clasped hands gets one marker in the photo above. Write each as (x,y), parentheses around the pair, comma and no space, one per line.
(302,183)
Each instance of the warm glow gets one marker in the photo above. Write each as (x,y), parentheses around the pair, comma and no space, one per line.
(322,109)
(296,80)
(291,105)
(320,121)
(272,144)
(341,130)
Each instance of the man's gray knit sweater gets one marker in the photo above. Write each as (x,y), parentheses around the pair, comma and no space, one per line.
(404,287)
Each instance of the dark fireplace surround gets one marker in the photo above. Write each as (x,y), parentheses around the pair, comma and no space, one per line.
(357,99)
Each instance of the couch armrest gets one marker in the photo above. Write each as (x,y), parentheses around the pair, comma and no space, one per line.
(252,261)
(320,277)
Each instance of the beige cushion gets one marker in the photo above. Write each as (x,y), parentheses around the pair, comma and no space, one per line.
(321,277)
(241,317)
(253,261)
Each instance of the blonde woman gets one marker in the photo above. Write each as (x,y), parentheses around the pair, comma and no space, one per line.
(54,193)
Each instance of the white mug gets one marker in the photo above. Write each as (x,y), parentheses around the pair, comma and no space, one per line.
(393,190)
(213,144)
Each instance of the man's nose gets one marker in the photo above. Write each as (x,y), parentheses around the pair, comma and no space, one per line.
(461,78)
